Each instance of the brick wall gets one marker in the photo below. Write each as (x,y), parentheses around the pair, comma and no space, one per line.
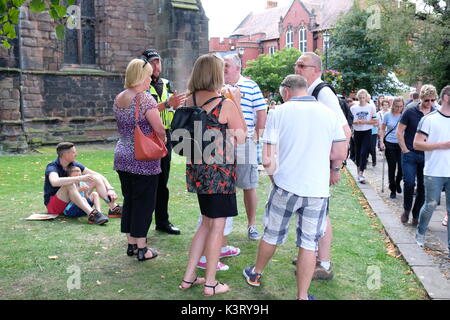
(65,102)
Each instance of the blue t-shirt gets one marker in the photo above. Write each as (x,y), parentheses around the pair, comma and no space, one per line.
(55,166)
(391,123)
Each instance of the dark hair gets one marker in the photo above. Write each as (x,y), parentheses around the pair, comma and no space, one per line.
(62,147)
(415,95)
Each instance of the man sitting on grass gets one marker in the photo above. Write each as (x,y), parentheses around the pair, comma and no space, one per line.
(59,189)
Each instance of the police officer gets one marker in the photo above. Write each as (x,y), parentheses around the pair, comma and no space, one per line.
(167,101)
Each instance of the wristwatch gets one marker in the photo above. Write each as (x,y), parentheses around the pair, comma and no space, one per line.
(337,169)
(166,104)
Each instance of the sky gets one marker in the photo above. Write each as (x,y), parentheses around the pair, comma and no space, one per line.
(225,15)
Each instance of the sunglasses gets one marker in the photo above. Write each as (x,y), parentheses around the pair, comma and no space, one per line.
(428,100)
(145,63)
(303,66)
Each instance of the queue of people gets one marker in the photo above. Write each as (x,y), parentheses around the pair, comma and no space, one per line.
(300,185)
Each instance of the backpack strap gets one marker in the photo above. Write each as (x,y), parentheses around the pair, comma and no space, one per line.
(212,99)
(320,86)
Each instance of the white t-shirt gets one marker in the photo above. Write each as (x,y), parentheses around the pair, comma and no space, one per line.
(303,130)
(329,99)
(251,102)
(436,127)
(366,113)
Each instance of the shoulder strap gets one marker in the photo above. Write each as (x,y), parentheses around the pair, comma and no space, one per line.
(320,86)
(138,100)
(212,99)
(193,98)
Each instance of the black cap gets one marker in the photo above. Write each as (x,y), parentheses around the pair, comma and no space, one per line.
(151,54)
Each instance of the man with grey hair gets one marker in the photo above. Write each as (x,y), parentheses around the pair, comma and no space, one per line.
(301,126)
(254,109)
(309,65)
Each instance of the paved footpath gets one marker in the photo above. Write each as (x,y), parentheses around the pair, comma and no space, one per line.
(431,265)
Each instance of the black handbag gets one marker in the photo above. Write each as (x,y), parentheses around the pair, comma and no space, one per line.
(188,127)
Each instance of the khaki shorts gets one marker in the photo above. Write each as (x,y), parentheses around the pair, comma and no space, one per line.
(247,165)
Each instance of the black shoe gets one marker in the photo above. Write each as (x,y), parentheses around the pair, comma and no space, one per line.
(393,195)
(131,249)
(142,251)
(170,229)
(399,189)
(96,217)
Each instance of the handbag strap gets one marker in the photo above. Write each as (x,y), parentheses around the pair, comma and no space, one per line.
(391,130)
(138,102)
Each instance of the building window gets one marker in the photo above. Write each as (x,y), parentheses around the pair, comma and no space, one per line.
(79,43)
(289,38)
(272,49)
(302,39)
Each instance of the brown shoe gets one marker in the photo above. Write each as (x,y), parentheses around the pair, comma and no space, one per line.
(415,222)
(116,212)
(320,273)
(405,217)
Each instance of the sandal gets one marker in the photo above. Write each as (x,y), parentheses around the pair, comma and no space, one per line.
(214,289)
(196,281)
(131,250)
(142,251)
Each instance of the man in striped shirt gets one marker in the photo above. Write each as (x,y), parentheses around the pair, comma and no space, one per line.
(254,108)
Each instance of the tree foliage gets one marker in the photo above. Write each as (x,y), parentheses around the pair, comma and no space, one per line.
(268,71)
(360,54)
(10,11)
(419,38)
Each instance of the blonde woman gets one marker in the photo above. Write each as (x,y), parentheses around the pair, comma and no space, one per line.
(389,143)
(213,181)
(364,115)
(139,179)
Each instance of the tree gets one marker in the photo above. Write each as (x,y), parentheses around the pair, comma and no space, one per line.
(419,37)
(268,71)
(10,11)
(360,55)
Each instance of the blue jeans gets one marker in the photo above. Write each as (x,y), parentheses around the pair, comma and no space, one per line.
(433,189)
(412,165)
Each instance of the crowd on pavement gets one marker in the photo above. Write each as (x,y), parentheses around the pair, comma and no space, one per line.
(306,141)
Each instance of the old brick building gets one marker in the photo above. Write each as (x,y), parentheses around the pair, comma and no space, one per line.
(53,90)
(300,25)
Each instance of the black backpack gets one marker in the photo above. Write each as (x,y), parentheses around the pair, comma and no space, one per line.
(344,106)
(188,128)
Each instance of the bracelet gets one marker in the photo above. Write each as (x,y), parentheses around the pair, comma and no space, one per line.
(335,169)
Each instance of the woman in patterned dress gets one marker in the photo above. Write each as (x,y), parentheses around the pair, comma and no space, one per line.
(138,179)
(214,178)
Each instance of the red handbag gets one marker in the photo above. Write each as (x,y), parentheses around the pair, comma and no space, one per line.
(147,147)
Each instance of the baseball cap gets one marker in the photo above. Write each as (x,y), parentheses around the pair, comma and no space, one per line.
(151,54)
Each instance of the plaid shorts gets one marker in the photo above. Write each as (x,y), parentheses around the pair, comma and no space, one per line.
(311,218)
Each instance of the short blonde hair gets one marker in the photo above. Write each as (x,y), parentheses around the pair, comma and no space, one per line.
(363,91)
(428,90)
(207,74)
(137,72)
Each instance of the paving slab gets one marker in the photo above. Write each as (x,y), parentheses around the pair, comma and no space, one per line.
(403,235)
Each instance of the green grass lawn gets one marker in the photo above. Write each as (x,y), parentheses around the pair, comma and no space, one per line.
(107,272)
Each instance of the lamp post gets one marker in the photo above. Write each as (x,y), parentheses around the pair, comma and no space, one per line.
(326,41)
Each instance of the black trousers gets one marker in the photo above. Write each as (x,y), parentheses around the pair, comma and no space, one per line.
(362,146)
(373,148)
(162,193)
(139,195)
(394,161)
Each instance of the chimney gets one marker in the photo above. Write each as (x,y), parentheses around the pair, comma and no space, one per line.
(271,4)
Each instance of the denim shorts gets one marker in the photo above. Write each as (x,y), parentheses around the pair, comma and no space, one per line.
(74,212)
(311,218)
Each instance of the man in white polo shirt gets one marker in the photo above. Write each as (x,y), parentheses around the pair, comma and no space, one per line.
(254,108)
(309,65)
(300,139)
(433,137)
